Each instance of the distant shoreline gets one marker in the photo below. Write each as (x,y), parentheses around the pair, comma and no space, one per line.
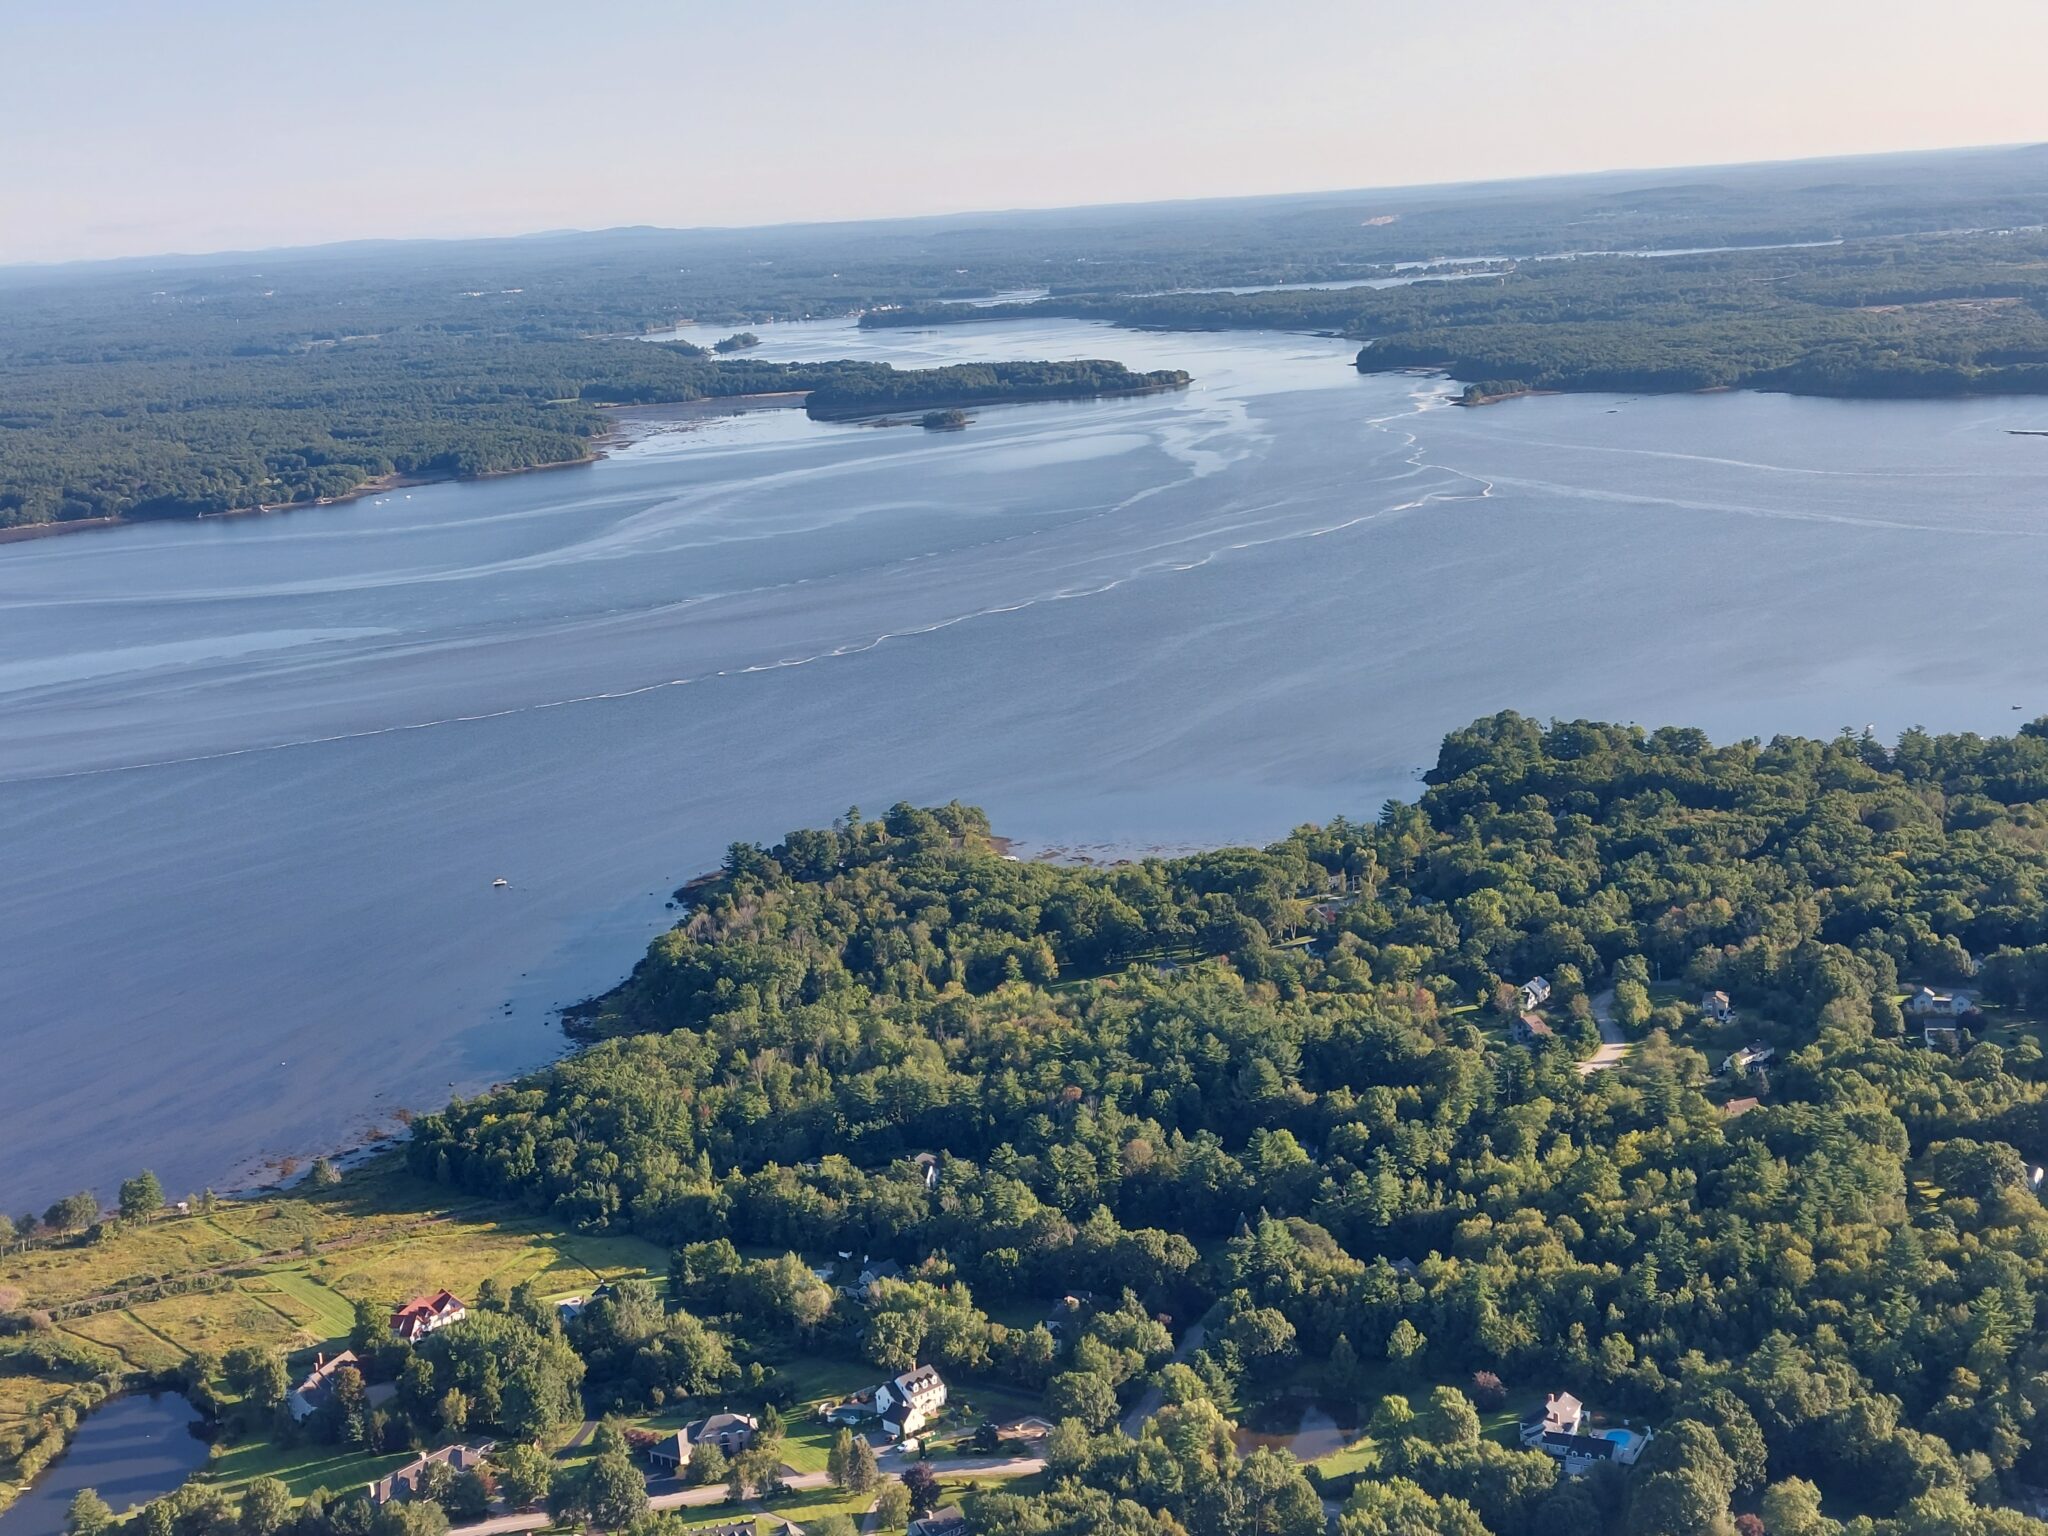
(704,405)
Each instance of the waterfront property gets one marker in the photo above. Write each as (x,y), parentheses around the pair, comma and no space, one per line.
(318,1386)
(423,1314)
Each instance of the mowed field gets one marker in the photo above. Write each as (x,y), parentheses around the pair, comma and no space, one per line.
(287,1270)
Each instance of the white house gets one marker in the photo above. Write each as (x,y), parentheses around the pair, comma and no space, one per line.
(907,1402)
(1559,1427)
(1928,1003)
(1559,1414)
(423,1314)
(1749,1056)
(1535,992)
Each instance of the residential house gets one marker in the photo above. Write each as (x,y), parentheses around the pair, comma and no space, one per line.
(1528,1029)
(405,1482)
(1738,1107)
(1714,1005)
(1741,1061)
(1930,1004)
(1535,992)
(1068,1313)
(940,1522)
(1559,1427)
(1940,1037)
(1406,1267)
(725,1528)
(423,1314)
(1559,1414)
(730,1432)
(872,1271)
(310,1395)
(908,1402)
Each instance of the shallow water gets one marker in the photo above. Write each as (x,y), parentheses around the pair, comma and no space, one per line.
(132,1449)
(257,775)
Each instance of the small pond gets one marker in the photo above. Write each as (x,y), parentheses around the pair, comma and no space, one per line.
(133,1449)
(1314,1433)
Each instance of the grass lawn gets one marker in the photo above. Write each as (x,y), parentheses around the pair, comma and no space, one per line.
(814,1378)
(302,1468)
(807,1444)
(319,1309)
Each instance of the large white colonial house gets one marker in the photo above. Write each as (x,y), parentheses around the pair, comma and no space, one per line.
(907,1402)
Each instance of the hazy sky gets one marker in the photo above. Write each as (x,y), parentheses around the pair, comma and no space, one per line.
(135,126)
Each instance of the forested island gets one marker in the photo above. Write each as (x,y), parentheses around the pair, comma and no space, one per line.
(184,385)
(876,389)
(312,422)
(1175,1151)
(1902,317)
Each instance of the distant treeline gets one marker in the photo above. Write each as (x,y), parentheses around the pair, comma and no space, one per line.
(1923,316)
(177,386)
(857,391)
(186,437)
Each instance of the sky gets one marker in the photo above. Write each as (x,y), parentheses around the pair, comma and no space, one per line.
(137,127)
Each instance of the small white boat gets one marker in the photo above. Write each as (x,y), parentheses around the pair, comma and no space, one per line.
(500,883)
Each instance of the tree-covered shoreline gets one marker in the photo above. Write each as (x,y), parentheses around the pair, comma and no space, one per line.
(1908,317)
(1279,1086)
(853,393)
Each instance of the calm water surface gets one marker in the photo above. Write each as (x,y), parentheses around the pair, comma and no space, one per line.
(132,1450)
(257,775)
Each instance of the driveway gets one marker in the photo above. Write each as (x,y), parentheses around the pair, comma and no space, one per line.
(1614,1045)
(1150,1403)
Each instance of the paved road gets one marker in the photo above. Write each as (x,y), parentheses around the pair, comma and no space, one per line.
(714,1493)
(1614,1045)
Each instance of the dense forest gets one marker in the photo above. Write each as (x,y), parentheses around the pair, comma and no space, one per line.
(179,385)
(1278,1087)
(871,391)
(1932,315)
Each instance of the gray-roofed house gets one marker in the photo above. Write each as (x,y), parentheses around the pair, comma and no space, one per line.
(310,1395)
(405,1482)
(730,1432)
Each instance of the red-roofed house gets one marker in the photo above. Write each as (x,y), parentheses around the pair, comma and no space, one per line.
(423,1314)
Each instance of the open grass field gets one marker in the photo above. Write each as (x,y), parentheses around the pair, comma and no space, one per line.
(287,1270)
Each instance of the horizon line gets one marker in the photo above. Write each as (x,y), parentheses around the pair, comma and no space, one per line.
(568,231)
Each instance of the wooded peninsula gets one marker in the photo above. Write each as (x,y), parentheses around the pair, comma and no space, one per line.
(177,386)
(1634,1136)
